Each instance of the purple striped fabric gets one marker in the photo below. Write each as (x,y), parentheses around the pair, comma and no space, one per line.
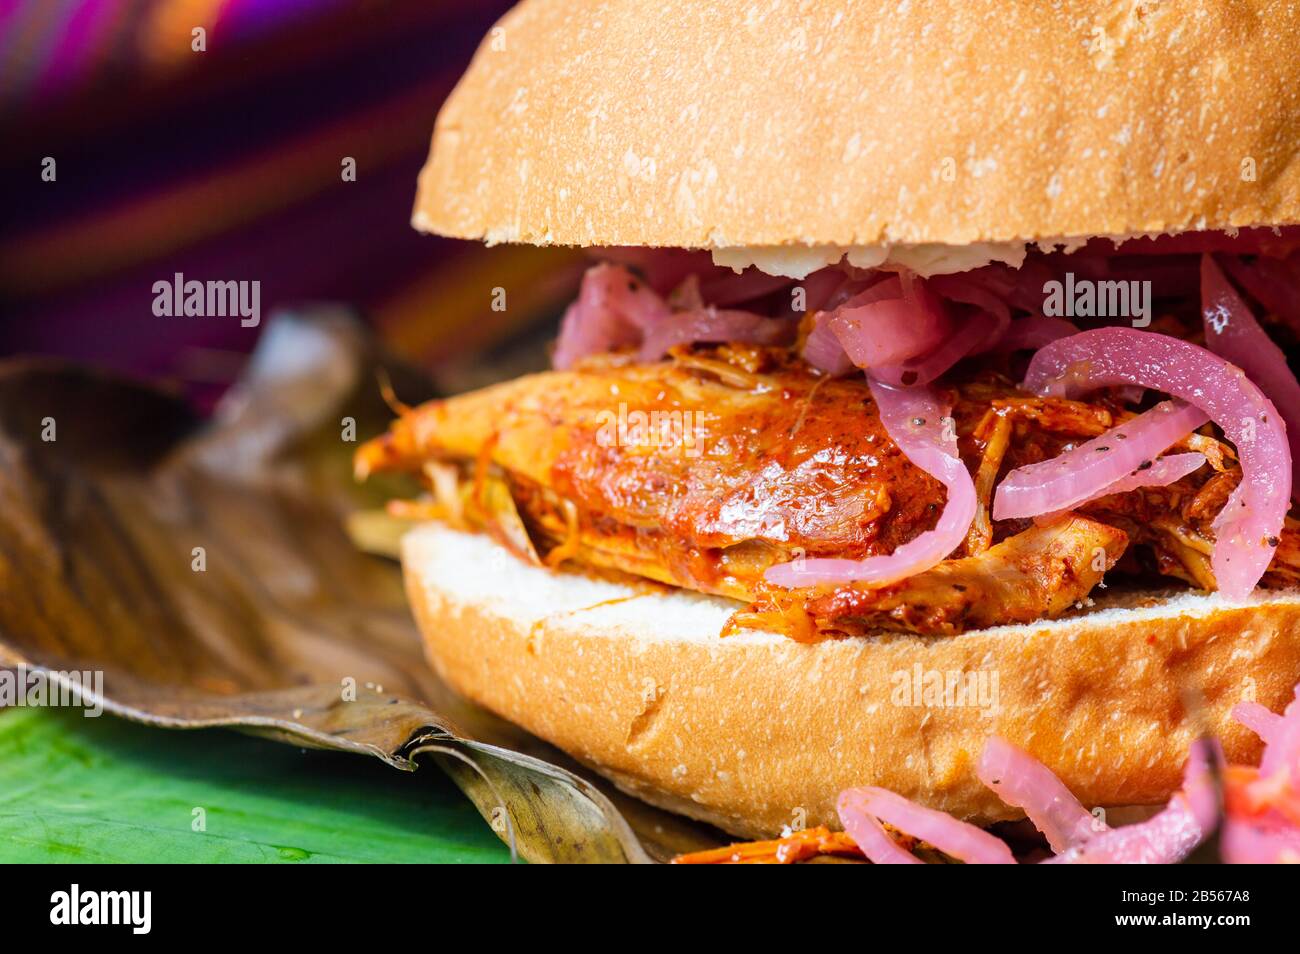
(226,165)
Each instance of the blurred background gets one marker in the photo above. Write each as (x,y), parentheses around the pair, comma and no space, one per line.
(227,164)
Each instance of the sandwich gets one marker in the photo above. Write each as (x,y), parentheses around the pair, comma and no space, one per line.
(928,386)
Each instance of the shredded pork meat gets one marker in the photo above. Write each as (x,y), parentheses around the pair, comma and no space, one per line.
(704,470)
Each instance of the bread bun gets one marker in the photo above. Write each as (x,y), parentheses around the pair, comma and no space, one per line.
(754,731)
(725,125)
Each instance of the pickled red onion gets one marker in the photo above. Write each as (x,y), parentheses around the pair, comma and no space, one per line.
(662,268)
(1258,831)
(1244,843)
(889,323)
(1283,751)
(734,289)
(711,325)
(865,829)
(973,335)
(1021,780)
(1258,719)
(1087,471)
(853,287)
(1021,288)
(1168,836)
(960,840)
(1273,283)
(876,339)
(919,424)
(1024,782)
(1232,332)
(1267,830)
(1248,526)
(960,289)
(823,350)
(614,308)
(822,287)
(1033,332)
(1161,473)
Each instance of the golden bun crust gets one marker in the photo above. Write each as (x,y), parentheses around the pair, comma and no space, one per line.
(754,731)
(653,122)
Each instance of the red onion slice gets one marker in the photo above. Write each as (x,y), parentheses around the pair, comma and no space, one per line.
(865,829)
(960,289)
(823,350)
(919,424)
(735,289)
(1273,283)
(1269,835)
(663,268)
(1161,473)
(1021,780)
(1167,837)
(1244,843)
(889,323)
(1033,332)
(954,838)
(1283,751)
(1232,332)
(822,287)
(1248,526)
(1174,277)
(850,333)
(1021,288)
(1087,471)
(712,325)
(613,309)
(974,333)
(887,286)
(1258,719)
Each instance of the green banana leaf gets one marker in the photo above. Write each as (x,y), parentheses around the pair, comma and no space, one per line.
(74,789)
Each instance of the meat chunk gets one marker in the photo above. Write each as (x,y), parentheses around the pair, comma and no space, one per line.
(705,470)
(1038,573)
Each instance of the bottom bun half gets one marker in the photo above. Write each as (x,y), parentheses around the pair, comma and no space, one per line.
(753,731)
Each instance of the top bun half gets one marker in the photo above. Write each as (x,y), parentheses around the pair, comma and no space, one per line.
(721,125)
